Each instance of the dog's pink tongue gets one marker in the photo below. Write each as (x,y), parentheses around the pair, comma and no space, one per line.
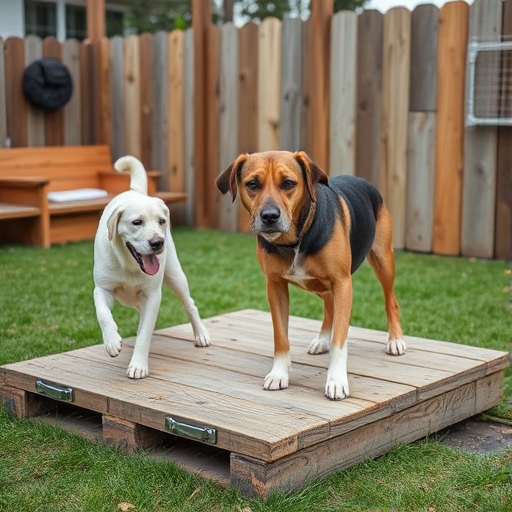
(151,264)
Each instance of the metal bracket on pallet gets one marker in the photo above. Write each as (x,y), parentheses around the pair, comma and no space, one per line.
(54,391)
(179,428)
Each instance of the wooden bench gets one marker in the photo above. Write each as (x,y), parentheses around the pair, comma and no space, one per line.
(27,175)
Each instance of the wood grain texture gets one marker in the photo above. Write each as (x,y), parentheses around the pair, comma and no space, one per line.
(419,226)
(503,226)
(104,92)
(480,151)
(453,34)
(369,95)
(424,48)
(16,105)
(248,40)
(3,106)
(307,84)
(54,118)
(146,100)
(189,127)
(343,94)
(269,84)
(291,84)
(132,95)
(395,121)
(72,110)
(117,97)
(36,126)
(229,146)
(87,92)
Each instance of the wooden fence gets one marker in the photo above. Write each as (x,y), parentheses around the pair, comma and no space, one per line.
(378,96)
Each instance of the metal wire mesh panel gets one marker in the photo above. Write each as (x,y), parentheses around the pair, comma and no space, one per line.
(489,85)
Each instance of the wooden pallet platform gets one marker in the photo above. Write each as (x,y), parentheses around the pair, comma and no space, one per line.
(258,440)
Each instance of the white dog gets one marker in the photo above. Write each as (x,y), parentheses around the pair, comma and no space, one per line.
(133,254)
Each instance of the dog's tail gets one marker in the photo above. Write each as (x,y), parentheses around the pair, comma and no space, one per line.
(139,179)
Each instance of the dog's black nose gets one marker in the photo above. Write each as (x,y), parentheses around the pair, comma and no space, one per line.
(156,243)
(270,215)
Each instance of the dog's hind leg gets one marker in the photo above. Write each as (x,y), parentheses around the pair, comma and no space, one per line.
(176,280)
(322,342)
(382,259)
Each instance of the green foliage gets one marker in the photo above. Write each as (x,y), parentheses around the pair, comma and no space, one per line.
(46,307)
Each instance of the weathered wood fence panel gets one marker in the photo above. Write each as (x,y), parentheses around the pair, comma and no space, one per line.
(378,96)
(453,34)
(480,150)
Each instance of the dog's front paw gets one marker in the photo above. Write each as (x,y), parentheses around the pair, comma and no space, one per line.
(336,388)
(113,343)
(201,335)
(275,381)
(396,347)
(320,345)
(137,371)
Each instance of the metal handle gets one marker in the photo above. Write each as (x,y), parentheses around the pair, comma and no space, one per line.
(54,391)
(179,428)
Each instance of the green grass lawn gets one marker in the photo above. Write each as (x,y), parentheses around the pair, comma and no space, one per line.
(46,307)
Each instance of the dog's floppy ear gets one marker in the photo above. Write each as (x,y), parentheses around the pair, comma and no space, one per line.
(227,180)
(113,221)
(313,174)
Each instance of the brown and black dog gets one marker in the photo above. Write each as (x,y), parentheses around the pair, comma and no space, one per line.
(314,232)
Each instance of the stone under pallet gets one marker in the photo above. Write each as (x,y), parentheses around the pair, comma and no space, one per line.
(205,408)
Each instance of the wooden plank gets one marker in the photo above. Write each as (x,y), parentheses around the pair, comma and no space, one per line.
(248,40)
(229,78)
(54,118)
(291,82)
(480,150)
(132,95)
(395,94)
(503,226)
(17,131)
(117,97)
(160,96)
(269,84)
(146,100)
(104,93)
(212,146)
(419,222)
(189,127)
(321,17)
(86,88)
(342,133)
(369,95)
(424,48)
(3,106)
(307,84)
(453,34)
(175,120)
(72,123)
(36,128)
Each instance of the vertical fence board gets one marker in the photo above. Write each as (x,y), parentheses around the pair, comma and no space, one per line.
(307,84)
(480,151)
(132,96)
(146,100)
(176,156)
(453,33)
(86,111)
(159,81)
(14,49)
(117,97)
(420,181)
(291,84)
(72,123)
(228,219)
(212,129)
(189,127)
(36,126)
(54,118)
(3,105)
(342,133)
(321,16)
(423,71)
(503,241)
(395,120)
(369,95)
(269,84)
(248,102)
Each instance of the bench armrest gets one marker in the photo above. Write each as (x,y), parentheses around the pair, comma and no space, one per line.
(28,191)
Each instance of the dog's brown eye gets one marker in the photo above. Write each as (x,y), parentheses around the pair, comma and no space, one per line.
(162,222)
(252,185)
(288,184)
(137,222)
